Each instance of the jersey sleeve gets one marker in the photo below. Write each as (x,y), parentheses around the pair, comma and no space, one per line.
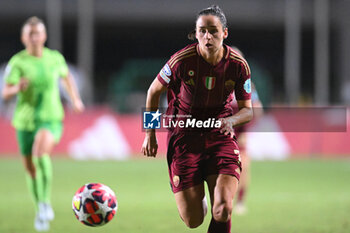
(243,88)
(12,72)
(166,76)
(62,65)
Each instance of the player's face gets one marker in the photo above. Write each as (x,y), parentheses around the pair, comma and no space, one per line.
(210,33)
(34,36)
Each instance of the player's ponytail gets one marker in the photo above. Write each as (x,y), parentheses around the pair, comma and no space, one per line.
(212,10)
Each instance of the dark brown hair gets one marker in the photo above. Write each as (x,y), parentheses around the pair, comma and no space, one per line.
(212,10)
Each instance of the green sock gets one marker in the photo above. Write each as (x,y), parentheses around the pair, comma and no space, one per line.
(35,185)
(46,168)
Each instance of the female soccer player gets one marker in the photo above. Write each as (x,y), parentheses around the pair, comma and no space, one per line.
(199,80)
(32,75)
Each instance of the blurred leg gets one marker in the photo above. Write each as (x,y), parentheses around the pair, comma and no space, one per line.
(33,178)
(43,145)
(245,178)
(191,205)
(244,181)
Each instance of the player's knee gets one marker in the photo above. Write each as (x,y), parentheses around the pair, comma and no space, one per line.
(193,222)
(222,212)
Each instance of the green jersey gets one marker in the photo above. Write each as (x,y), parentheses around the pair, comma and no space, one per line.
(40,102)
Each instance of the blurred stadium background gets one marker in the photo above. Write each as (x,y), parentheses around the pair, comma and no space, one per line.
(299,53)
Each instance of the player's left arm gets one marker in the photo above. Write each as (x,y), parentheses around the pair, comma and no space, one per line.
(243,96)
(72,90)
(244,115)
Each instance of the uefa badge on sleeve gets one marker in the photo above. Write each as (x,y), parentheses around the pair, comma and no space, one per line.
(151,120)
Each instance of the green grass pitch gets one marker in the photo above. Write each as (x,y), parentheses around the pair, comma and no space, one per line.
(311,196)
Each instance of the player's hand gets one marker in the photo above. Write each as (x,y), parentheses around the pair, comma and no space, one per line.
(227,127)
(150,145)
(23,84)
(78,106)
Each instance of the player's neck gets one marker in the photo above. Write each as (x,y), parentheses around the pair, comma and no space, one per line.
(214,57)
(35,52)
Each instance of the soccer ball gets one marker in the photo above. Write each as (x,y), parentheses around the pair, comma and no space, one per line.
(94,204)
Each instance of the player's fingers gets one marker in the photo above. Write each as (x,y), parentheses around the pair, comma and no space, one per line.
(232,134)
(223,123)
(223,130)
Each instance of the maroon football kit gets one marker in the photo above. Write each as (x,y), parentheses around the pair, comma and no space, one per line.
(199,91)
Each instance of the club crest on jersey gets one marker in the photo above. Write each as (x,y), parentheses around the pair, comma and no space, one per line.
(247,86)
(230,84)
(209,82)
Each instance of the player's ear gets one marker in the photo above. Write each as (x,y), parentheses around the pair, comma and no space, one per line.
(225,33)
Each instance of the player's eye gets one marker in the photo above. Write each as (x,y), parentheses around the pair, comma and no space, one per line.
(213,31)
(203,31)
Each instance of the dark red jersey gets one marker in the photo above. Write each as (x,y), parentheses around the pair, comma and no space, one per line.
(202,90)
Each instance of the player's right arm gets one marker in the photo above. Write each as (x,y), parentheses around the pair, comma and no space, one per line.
(11,90)
(150,145)
(14,83)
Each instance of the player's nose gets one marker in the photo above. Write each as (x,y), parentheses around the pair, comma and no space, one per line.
(207,35)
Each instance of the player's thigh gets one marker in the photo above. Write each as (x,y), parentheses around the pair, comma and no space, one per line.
(43,143)
(190,204)
(25,140)
(222,189)
(47,135)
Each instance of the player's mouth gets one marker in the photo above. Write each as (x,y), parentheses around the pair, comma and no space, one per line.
(208,45)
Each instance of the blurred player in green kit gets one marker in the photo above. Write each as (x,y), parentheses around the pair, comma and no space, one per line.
(32,75)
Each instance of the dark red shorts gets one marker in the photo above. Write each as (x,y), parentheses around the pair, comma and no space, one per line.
(240,129)
(192,156)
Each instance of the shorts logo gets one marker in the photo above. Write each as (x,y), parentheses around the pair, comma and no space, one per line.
(151,120)
(236,152)
(247,86)
(176,181)
(166,69)
(209,82)
(238,171)
(191,73)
